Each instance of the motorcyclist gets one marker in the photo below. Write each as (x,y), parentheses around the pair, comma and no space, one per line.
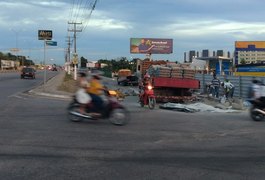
(95,90)
(144,84)
(257,93)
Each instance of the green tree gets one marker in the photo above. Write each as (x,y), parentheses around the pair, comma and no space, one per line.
(83,62)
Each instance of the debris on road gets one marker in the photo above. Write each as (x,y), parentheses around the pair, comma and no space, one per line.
(191,108)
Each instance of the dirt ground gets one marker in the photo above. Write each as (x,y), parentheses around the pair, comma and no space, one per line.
(68,84)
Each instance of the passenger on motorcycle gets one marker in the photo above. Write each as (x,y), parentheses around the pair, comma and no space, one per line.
(81,94)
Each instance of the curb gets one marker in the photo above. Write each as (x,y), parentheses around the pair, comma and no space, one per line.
(49,95)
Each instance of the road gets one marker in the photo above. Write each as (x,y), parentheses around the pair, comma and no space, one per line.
(38,142)
(11,84)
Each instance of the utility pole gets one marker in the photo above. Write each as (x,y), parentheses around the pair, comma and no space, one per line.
(75,53)
(68,54)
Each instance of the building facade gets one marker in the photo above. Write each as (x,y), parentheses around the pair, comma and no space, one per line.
(249,52)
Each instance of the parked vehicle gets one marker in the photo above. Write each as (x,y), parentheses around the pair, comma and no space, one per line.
(28,72)
(147,97)
(130,81)
(122,75)
(171,83)
(114,111)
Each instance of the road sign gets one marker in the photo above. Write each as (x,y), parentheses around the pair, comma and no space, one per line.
(51,43)
(45,34)
(75,59)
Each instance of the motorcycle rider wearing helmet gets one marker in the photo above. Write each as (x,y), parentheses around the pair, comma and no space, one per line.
(95,90)
(144,84)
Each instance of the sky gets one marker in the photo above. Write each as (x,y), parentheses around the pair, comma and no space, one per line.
(107,27)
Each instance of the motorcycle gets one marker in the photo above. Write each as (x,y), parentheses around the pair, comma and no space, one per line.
(147,97)
(115,112)
(257,109)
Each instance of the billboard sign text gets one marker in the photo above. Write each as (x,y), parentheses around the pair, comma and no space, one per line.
(45,35)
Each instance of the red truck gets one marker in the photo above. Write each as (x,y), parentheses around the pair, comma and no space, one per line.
(172,82)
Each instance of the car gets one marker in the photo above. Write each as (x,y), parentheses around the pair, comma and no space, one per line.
(129,81)
(28,72)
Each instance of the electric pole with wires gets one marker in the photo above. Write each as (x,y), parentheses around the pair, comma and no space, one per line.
(75,55)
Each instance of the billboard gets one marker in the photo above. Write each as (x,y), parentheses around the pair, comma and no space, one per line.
(151,46)
(45,34)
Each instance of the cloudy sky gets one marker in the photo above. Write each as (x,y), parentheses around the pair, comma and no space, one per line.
(106,31)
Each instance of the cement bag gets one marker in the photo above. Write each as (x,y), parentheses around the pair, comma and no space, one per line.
(82,96)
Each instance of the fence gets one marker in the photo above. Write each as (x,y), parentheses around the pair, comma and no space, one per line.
(241,83)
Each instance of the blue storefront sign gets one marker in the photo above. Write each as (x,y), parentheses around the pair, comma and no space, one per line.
(251,69)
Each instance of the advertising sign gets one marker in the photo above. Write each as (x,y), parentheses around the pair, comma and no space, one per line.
(251,69)
(45,35)
(151,46)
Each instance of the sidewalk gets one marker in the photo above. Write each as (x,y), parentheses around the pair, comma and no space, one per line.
(51,88)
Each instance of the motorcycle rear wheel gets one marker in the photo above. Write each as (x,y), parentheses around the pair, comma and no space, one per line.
(119,117)
(151,102)
(256,116)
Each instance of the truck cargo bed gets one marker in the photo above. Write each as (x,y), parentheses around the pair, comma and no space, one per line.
(176,82)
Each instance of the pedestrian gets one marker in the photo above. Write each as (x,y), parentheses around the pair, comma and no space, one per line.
(216,86)
(229,88)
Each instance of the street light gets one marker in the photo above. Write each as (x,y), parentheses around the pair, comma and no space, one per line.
(16,49)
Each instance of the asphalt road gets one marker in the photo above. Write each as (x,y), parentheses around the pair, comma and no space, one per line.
(37,141)
(11,84)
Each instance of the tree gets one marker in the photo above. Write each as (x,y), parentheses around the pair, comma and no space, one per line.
(242,61)
(83,62)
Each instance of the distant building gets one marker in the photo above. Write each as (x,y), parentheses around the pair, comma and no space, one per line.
(205,53)
(185,57)
(219,53)
(250,58)
(249,52)
(214,54)
(192,54)
(228,54)
(217,61)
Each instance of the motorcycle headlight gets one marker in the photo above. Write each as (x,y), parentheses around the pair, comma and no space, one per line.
(149,87)
(112,93)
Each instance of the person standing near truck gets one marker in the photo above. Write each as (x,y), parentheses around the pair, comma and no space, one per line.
(229,88)
(216,86)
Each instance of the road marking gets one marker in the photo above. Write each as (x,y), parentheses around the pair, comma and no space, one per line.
(17,96)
